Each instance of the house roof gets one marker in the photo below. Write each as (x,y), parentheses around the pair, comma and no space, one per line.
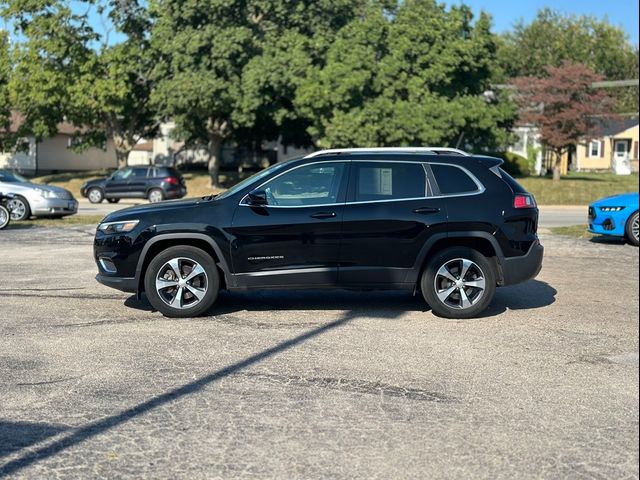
(17,119)
(610,127)
(143,147)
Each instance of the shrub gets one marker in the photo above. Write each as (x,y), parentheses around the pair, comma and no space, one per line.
(514,164)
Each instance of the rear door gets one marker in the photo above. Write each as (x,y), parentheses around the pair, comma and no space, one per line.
(389,216)
(294,240)
(138,179)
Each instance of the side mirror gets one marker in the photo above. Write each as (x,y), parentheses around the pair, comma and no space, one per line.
(257,197)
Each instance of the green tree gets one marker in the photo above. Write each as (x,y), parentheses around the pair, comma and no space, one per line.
(5,105)
(229,70)
(419,76)
(553,38)
(65,71)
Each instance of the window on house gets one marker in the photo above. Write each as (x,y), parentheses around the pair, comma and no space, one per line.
(594,148)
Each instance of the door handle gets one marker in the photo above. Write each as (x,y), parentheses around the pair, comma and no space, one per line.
(426,210)
(323,215)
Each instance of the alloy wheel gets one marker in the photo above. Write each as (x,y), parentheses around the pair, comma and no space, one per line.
(4,217)
(181,283)
(459,283)
(155,196)
(634,228)
(95,196)
(18,209)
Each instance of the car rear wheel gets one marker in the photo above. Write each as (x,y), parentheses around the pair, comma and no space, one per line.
(182,282)
(631,229)
(458,282)
(19,208)
(155,195)
(5,216)
(95,195)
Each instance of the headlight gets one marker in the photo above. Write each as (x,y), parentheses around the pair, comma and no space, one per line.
(118,227)
(46,193)
(611,209)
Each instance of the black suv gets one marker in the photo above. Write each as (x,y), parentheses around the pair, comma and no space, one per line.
(153,183)
(451,225)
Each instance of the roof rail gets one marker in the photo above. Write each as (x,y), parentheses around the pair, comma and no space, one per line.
(431,150)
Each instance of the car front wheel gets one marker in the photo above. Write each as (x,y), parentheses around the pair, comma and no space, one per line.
(182,282)
(632,229)
(458,282)
(19,209)
(95,195)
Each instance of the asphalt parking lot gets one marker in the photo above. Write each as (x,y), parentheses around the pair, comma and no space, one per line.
(317,384)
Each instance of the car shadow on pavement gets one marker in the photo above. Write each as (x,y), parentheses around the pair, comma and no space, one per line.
(528,295)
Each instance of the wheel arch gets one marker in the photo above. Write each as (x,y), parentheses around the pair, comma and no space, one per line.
(482,242)
(159,243)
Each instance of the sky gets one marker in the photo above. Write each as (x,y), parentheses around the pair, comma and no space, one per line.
(621,13)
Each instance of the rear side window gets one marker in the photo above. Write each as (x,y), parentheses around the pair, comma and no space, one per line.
(139,172)
(453,180)
(388,181)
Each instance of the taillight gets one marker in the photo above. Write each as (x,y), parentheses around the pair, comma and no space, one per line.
(524,201)
(172,180)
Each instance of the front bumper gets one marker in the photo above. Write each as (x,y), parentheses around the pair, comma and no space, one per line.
(53,206)
(523,268)
(124,284)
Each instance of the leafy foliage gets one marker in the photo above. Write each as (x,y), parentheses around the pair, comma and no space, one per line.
(5,104)
(411,78)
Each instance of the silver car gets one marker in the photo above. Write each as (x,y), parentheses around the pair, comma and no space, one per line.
(34,199)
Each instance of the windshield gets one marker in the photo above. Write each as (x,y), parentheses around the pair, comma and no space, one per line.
(254,178)
(10,177)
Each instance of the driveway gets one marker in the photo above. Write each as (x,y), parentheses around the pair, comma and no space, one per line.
(317,384)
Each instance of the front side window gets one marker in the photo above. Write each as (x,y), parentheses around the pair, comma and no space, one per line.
(121,175)
(377,181)
(310,185)
(453,180)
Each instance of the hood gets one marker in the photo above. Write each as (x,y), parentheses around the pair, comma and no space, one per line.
(620,200)
(151,209)
(17,187)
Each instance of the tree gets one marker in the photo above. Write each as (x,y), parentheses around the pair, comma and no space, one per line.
(65,71)
(5,105)
(228,70)
(416,77)
(563,106)
(553,38)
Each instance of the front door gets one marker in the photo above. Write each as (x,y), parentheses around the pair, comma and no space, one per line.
(138,182)
(294,239)
(118,184)
(621,150)
(388,218)
(621,163)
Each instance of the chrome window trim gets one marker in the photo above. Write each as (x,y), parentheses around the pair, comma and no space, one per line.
(481,188)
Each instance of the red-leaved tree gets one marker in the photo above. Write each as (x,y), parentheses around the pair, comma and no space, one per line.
(563,106)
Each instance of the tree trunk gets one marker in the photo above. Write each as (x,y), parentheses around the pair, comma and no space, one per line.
(214,145)
(557,166)
(122,156)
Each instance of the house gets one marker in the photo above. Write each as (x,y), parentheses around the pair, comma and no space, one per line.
(55,154)
(615,147)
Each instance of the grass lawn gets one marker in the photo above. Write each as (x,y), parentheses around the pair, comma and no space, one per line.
(578,188)
(573,189)
(578,231)
(57,222)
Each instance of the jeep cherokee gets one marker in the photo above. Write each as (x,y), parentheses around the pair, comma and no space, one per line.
(448,224)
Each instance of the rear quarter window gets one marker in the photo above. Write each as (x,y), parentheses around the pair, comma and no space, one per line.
(453,180)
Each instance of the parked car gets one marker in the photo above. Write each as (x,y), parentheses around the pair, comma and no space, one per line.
(616,216)
(5,211)
(154,183)
(35,199)
(442,222)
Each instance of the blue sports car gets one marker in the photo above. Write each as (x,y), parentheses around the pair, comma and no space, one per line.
(616,215)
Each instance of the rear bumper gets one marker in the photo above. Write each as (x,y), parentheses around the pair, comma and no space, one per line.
(520,269)
(124,284)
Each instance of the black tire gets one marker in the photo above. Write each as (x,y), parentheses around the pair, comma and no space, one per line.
(632,224)
(20,209)
(113,200)
(432,283)
(95,195)
(155,195)
(5,217)
(209,282)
